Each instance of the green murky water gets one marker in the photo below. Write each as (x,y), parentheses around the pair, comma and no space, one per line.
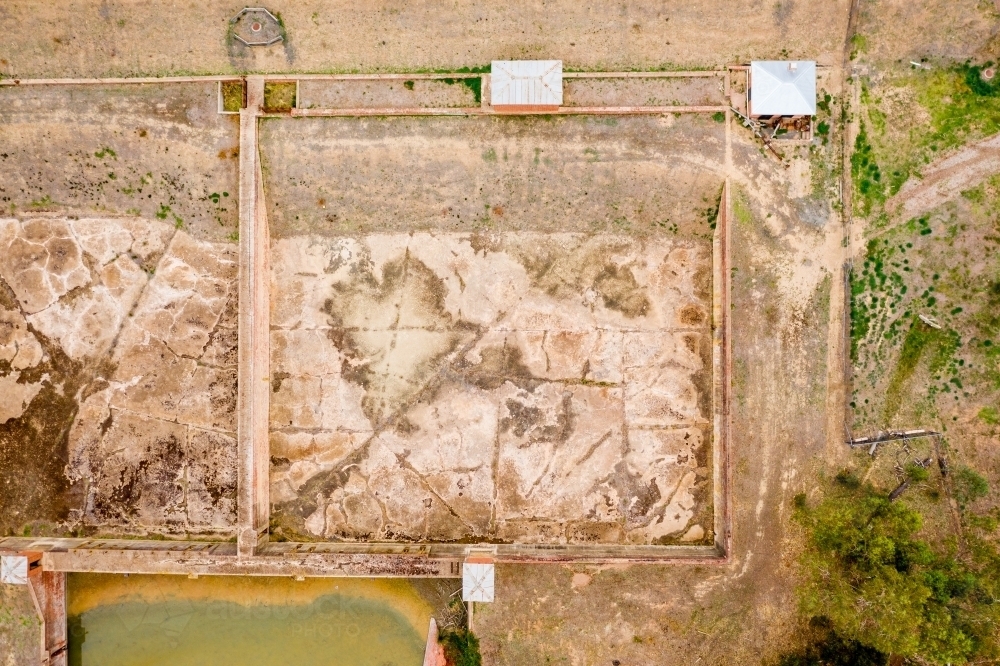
(176,622)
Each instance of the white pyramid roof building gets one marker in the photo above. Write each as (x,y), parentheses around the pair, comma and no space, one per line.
(526,83)
(477,581)
(783,88)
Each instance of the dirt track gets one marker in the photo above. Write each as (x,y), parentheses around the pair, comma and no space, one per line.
(946,178)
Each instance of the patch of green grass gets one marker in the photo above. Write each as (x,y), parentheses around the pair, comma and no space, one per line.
(859,44)
(232,96)
(958,113)
(279,97)
(969,486)
(866,175)
(474,84)
(919,339)
(741,211)
(44,202)
(960,107)
(977,84)
(989,415)
(719,117)
(106,152)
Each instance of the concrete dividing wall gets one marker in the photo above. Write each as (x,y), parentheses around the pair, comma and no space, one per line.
(722,385)
(254,320)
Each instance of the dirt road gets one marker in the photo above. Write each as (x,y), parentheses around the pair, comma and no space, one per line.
(946,178)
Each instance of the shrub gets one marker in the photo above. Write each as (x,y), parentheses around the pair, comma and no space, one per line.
(969,486)
(461,648)
(976,82)
(846,478)
(880,587)
(827,648)
(916,473)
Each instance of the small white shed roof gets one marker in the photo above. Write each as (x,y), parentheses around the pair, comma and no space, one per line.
(14,569)
(477,581)
(783,88)
(526,83)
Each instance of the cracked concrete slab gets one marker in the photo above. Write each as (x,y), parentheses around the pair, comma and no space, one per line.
(519,387)
(158,443)
(117,374)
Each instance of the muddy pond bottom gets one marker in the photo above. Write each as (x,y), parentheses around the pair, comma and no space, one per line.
(116,620)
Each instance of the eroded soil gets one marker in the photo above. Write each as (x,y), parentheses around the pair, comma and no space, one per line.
(153,152)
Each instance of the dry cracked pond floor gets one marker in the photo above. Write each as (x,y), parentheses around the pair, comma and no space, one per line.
(487,330)
(516,387)
(120,335)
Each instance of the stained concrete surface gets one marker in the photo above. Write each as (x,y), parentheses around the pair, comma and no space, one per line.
(117,359)
(518,387)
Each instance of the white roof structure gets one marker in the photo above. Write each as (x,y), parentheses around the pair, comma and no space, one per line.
(783,88)
(14,570)
(477,581)
(526,83)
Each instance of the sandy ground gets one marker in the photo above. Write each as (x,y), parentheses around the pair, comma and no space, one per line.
(579,615)
(88,38)
(897,31)
(638,175)
(160,152)
(517,387)
(713,615)
(947,178)
(19,627)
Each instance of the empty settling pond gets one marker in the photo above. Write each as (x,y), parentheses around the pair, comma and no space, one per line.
(118,620)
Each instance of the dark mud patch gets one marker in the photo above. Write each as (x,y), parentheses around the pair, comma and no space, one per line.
(498,365)
(692,315)
(619,290)
(34,448)
(415,296)
(527,421)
